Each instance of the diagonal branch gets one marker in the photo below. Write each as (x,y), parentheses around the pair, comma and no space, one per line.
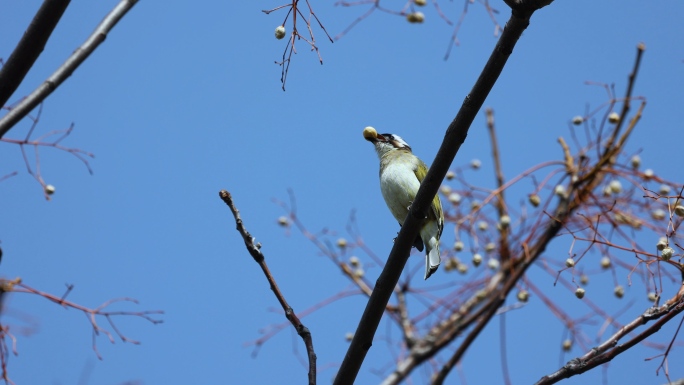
(67,68)
(255,251)
(500,285)
(30,47)
(455,136)
(611,348)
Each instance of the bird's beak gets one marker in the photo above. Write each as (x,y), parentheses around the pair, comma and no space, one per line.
(376,139)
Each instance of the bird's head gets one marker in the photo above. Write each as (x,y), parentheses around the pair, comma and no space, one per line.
(385,143)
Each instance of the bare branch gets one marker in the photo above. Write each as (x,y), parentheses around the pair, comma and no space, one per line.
(455,136)
(16,286)
(294,10)
(504,219)
(24,107)
(51,139)
(30,47)
(255,251)
(610,348)
(484,303)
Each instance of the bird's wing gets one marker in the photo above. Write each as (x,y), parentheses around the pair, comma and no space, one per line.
(436,206)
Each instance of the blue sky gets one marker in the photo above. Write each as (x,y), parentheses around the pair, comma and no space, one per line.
(183,99)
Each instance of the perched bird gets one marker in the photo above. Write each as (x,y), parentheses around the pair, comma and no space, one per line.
(401,173)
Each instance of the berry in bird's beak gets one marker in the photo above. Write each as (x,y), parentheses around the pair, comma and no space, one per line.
(371,135)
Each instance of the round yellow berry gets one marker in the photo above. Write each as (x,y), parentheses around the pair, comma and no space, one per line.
(369,133)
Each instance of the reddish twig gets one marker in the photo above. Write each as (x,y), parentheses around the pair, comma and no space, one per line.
(51,139)
(294,11)
(16,286)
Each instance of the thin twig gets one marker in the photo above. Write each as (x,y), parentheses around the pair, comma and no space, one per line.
(254,250)
(610,348)
(16,286)
(504,219)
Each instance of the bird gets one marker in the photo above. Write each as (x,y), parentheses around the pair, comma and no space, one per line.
(401,174)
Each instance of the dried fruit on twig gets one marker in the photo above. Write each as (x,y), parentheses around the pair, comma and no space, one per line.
(605,262)
(613,117)
(455,198)
(280,32)
(567,345)
(664,189)
(658,214)
(584,279)
(560,191)
(679,210)
(341,243)
(477,259)
(493,263)
(534,200)
(415,17)
(505,221)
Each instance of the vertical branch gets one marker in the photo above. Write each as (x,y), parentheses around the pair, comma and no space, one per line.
(255,251)
(628,96)
(504,218)
(504,356)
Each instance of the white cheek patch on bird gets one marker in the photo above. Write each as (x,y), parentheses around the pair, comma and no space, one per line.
(396,141)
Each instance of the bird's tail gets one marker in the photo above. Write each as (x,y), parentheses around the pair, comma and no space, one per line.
(432,258)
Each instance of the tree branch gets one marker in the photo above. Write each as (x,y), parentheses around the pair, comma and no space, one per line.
(500,285)
(610,348)
(255,252)
(30,47)
(67,68)
(501,206)
(455,136)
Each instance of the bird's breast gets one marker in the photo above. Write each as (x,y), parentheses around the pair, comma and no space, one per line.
(399,186)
